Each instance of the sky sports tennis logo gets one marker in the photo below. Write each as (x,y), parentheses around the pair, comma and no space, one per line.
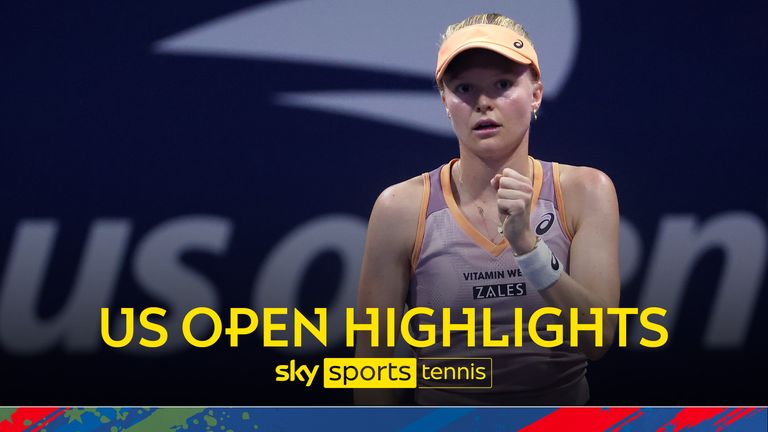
(424,373)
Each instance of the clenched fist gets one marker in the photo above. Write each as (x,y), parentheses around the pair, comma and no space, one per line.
(514,192)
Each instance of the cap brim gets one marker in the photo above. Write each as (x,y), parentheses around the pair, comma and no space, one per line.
(501,40)
(490,46)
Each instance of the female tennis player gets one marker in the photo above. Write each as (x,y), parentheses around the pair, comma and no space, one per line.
(495,228)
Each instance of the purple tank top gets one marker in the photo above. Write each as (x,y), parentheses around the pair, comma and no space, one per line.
(456,267)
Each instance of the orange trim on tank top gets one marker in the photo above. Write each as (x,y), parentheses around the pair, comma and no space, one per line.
(560,200)
(494,249)
(422,222)
(538,178)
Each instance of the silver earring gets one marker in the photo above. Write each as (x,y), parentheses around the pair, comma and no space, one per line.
(535,116)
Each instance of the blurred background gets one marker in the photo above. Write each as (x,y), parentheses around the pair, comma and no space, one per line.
(227,154)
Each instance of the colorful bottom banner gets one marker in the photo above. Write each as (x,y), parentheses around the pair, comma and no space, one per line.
(422,419)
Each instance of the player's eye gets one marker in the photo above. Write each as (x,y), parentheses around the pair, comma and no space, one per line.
(504,84)
(463,88)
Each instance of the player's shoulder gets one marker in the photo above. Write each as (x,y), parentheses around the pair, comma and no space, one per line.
(587,192)
(402,199)
(585,182)
(395,219)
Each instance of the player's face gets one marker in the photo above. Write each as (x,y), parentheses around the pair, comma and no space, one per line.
(490,100)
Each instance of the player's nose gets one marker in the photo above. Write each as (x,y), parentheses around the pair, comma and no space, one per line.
(483,104)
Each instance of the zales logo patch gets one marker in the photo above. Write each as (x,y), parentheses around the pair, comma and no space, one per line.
(499,290)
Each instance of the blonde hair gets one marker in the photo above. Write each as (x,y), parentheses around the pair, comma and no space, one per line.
(486,18)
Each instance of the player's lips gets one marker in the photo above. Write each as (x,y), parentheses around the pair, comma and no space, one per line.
(486,128)
(485,124)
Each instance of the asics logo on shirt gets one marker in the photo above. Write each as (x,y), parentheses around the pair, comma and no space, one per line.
(545,224)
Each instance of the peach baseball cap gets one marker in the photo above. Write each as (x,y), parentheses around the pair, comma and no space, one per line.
(502,40)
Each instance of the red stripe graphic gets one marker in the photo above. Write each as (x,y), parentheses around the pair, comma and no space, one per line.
(729,415)
(627,421)
(688,417)
(49,420)
(737,415)
(581,419)
(23,418)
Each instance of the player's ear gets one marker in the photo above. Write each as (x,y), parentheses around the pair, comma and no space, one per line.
(442,98)
(538,94)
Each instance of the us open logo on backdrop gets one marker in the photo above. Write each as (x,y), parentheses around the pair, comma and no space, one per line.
(398,37)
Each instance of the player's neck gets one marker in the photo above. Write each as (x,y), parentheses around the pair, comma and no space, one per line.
(475,174)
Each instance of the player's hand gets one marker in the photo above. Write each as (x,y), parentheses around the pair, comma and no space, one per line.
(514,192)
